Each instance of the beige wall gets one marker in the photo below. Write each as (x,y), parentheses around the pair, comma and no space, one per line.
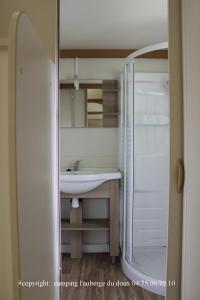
(191,203)
(6,272)
(42,14)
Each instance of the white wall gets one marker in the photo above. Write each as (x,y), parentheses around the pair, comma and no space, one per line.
(107,68)
(95,147)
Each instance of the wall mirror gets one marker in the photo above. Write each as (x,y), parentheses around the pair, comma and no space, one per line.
(91,105)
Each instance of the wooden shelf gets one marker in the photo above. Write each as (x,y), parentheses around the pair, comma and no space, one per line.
(110,91)
(102,113)
(88,224)
(94,112)
(98,101)
(111,113)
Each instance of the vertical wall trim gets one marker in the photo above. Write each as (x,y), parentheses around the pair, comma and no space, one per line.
(12,148)
(191,203)
(176,150)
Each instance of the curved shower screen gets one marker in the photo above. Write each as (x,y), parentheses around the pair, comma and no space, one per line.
(151,164)
(144,143)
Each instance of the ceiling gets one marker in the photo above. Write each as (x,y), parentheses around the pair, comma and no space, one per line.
(112,24)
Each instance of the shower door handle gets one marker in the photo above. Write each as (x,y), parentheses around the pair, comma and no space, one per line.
(180,175)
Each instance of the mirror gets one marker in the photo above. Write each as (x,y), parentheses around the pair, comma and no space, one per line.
(93,105)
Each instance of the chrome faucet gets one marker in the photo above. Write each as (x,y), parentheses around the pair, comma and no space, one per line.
(76,165)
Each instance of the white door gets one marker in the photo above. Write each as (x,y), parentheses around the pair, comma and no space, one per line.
(37,165)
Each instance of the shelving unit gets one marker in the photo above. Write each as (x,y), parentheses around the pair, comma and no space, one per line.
(88,224)
(111,90)
(76,224)
(110,103)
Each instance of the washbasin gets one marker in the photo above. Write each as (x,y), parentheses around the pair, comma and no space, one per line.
(83,181)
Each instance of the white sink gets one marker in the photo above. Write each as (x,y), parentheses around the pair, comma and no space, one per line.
(78,182)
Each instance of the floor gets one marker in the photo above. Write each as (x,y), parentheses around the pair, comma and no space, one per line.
(151,261)
(98,268)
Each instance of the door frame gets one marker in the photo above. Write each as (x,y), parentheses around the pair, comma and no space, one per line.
(191,203)
(174,255)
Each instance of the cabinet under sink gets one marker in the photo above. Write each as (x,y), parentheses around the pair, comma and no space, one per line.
(76,224)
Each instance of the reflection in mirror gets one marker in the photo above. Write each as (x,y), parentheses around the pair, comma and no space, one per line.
(72,108)
(94,108)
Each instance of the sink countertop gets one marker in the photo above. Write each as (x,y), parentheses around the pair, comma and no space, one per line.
(85,180)
(90,171)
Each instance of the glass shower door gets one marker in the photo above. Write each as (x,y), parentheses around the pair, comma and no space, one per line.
(151,175)
(144,162)
(145,153)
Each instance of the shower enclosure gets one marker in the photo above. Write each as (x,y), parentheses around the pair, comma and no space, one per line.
(144,163)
